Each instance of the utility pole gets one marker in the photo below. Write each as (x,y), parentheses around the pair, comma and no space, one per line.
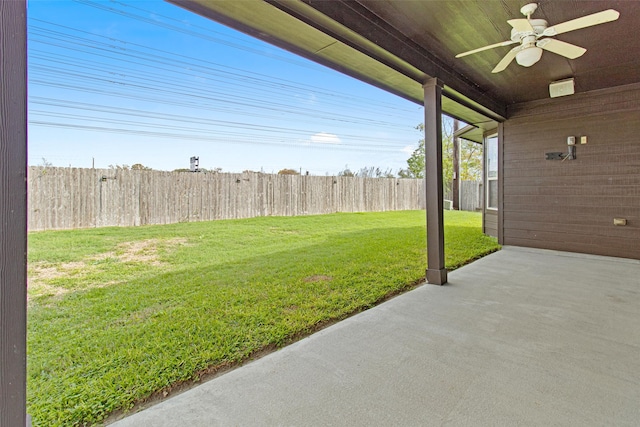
(455,187)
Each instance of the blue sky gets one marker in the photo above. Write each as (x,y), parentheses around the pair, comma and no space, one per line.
(147,82)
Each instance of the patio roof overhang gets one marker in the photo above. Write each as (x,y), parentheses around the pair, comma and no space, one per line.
(470,133)
(301,29)
(400,45)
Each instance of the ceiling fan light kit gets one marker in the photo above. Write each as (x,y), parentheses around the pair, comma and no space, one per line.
(529,56)
(532,37)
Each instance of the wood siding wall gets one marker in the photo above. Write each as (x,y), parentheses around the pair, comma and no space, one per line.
(490,223)
(570,205)
(65,198)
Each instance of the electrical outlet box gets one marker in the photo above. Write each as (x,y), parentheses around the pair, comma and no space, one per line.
(583,139)
(571,140)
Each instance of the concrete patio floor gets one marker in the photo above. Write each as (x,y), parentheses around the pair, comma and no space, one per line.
(520,337)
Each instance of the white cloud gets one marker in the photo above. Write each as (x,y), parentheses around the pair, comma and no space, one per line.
(325,138)
(409,149)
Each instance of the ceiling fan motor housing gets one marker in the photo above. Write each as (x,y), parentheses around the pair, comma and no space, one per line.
(539,25)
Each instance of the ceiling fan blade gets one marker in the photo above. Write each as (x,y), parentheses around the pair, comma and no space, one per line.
(480,49)
(561,48)
(521,25)
(508,58)
(586,21)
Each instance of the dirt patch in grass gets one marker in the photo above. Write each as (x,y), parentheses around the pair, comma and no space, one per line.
(41,275)
(140,251)
(145,251)
(46,271)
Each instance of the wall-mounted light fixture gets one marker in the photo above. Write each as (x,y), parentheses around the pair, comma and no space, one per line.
(561,88)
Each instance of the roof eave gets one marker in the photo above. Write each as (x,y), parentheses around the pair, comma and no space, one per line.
(301,29)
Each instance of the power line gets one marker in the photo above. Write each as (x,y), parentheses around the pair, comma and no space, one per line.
(188,91)
(186,87)
(194,33)
(58,103)
(191,104)
(70,63)
(200,137)
(191,62)
(218,131)
(102,70)
(84,75)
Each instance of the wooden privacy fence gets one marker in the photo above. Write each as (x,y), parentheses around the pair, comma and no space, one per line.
(64,198)
(471,195)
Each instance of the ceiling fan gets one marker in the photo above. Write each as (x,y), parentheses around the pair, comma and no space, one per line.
(532,37)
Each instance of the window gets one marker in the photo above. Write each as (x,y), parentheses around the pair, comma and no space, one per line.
(491,168)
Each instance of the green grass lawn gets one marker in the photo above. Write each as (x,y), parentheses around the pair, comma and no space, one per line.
(116,314)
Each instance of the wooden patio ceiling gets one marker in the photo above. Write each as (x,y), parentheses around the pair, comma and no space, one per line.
(398,45)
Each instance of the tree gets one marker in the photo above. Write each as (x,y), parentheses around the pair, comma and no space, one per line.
(470,161)
(140,167)
(288,172)
(119,167)
(415,163)
(374,172)
(470,158)
(346,172)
